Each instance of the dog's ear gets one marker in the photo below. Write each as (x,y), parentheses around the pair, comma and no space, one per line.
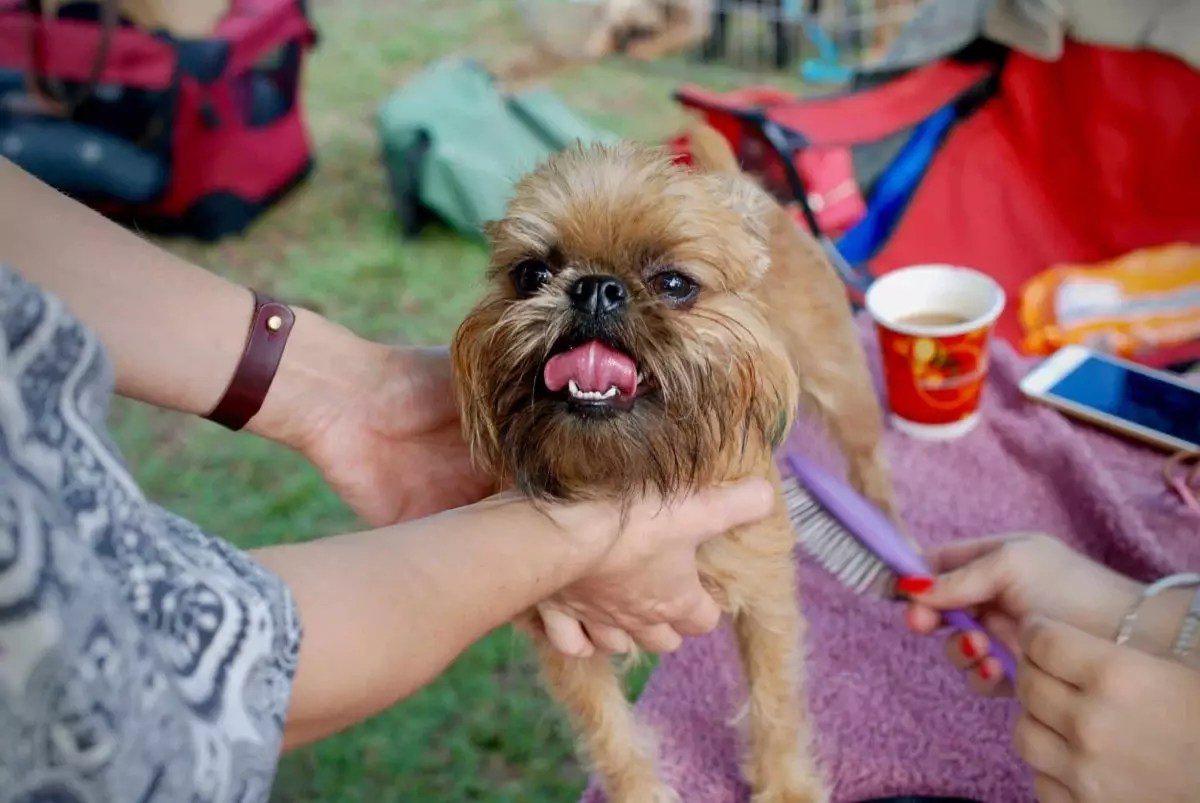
(754,209)
(713,156)
(710,151)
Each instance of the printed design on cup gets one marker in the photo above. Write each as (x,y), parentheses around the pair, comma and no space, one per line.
(935,380)
(946,374)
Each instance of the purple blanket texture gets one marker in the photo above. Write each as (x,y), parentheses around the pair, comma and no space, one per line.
(892,718)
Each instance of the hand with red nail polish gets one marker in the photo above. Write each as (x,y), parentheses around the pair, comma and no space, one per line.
(911,586)
(1097,722)
(1003,580)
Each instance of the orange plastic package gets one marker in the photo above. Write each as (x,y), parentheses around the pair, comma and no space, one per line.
(1142,301)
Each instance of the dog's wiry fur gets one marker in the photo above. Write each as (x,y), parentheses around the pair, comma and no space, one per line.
(769,329)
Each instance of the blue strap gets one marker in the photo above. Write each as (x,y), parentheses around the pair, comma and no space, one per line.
(895,187)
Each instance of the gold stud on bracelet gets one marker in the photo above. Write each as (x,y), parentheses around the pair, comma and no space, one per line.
(274,323)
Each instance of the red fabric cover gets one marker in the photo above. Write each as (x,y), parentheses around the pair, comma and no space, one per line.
(1078,160)
(833,191)
(830,126)
(67,49)
(899,104)
(251,163)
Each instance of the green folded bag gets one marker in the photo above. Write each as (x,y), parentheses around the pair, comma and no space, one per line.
(454,143)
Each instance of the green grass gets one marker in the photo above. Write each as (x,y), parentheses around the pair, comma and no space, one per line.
(484,731)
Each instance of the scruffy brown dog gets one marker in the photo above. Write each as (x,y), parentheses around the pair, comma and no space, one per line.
(652,326)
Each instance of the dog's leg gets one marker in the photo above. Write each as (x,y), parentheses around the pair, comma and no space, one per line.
(760,583)
(836,386)
(619,748)
(856,424)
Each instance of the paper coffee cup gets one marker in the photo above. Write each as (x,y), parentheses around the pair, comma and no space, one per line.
(934,324)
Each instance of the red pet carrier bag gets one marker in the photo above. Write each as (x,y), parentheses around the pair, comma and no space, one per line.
(194,137)
(1034,163)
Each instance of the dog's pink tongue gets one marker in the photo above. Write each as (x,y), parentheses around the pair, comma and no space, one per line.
(594,367)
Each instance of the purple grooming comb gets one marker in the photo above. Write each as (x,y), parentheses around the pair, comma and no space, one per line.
(858,544)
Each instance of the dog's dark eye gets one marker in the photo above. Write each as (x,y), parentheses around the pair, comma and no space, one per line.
(529,276)
(674,287)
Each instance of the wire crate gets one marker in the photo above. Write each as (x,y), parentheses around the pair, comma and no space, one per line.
(830,42)
(825,41)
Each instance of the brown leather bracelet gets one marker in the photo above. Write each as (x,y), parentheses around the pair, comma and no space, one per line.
(269,329)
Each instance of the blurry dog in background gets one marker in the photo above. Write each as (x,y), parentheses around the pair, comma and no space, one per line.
(653,327)
(640,29)
(649,29)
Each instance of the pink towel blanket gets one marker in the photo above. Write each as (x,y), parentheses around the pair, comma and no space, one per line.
(892,719)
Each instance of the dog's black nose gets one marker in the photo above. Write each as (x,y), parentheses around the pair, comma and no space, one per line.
(599,295)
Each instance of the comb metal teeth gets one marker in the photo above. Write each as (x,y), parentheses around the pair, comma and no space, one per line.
(833,546)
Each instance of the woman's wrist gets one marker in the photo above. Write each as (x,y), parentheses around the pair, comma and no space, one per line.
(1159,619)
(1109,605)
(175,332)
(323,366)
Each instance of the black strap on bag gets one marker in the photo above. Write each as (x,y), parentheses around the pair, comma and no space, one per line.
(785,143)
(49,92)
(48,88)
(406,187)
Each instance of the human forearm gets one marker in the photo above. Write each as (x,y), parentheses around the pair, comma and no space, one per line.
(385,611)
(175,332)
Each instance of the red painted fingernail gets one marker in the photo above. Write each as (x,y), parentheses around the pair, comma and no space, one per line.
(985,671)
(914,585)
(967,646)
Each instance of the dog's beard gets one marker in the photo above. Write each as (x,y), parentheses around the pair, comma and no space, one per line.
(692,404)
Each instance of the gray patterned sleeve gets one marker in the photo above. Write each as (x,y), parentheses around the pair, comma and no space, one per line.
(141,660)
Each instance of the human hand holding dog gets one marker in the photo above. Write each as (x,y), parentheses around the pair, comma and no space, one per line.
(421,592)
(379,422)
(646,592)
(391,443)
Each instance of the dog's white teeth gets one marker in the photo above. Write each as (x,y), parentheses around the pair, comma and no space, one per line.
(594,395)
(640,378)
